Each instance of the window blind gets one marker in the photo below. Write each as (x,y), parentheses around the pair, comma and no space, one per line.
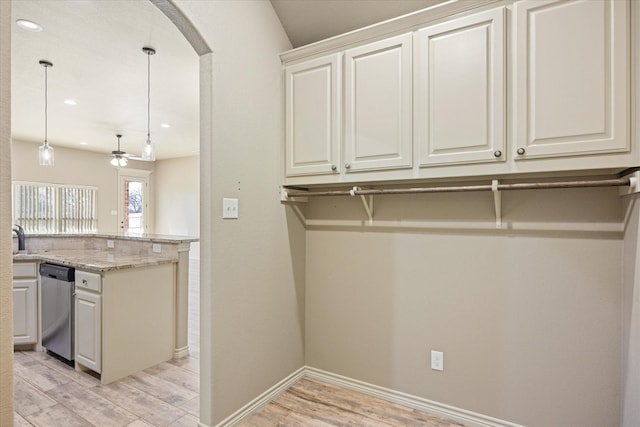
(53,208)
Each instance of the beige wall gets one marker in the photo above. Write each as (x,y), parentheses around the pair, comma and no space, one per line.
(252,280)
(77,167)
(529,321)
(177,201)
(6,292)
(631,316)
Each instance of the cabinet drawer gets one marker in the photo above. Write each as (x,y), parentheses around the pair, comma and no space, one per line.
(24,269)
(86,280)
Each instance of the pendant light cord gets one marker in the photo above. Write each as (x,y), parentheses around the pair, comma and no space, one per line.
(148,98)
(45,105)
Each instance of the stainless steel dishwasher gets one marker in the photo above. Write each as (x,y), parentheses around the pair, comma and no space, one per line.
(57,289)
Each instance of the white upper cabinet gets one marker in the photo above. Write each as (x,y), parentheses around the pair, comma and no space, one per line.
(378,105)
(529,86)
(312,90)
(459,114)
(571,78)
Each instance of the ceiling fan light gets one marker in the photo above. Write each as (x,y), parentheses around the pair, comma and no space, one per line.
(45,155)
(118,158)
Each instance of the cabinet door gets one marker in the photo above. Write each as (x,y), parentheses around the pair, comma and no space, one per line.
(459,106)
(88,330)
(312,116)
(571,77)
(378,105)
(25,311)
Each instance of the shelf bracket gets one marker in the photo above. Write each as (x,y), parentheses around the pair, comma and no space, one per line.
(497,202)
(634,185)
(293,202)
(368,205)
(285,198)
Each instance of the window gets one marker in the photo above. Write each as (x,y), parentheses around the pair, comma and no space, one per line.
(53,208)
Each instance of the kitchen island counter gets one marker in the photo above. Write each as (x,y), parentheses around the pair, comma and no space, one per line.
(93,260)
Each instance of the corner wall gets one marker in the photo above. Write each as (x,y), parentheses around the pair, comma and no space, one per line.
(6,287)
(631,316)
(177,201)
(528,317)
(252,268)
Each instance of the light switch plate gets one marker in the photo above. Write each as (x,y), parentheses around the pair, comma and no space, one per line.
(437,360)
(229,208)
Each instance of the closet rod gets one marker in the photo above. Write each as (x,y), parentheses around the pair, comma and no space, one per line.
(616,182)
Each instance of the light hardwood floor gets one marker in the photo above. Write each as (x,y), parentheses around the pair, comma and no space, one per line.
(49,393)
(313,403)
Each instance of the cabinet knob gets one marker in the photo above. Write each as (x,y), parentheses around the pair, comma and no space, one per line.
(333,167)
(497,154)
(520,151)
(347,166)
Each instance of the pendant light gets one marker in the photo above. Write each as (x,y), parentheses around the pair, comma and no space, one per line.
(148,151)
(119,157)
(45,152)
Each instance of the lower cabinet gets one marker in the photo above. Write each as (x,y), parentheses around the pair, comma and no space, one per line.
(25,303)
(88,334)
(124,320)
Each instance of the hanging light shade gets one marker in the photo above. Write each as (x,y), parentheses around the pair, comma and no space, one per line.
(148,150)
(119,157)
(45,151)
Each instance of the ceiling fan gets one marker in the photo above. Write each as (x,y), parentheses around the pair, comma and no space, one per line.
(121,158)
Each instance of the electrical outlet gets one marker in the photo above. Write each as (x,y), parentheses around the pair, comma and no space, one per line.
(437,360)
(156,247)
(110,244)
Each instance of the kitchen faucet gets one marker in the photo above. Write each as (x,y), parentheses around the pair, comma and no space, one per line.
(20,232)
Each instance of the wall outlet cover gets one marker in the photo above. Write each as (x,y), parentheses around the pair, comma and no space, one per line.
(110,244)
(156,247)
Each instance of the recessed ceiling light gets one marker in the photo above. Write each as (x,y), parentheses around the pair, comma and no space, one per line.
(165,125)
(70,102)
(84,143)
(28,25)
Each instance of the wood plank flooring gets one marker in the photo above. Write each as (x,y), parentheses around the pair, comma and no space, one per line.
(313,403)
(49,393)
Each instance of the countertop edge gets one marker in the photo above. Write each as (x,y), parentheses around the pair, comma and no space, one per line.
(44,257)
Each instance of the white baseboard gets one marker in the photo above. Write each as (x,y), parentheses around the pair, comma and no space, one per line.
(469,418)
(257,403)
(179,353)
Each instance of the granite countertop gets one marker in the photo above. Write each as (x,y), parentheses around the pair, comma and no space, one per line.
(95,260)
(145,237)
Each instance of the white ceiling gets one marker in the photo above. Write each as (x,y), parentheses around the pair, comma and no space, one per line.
(96,50)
